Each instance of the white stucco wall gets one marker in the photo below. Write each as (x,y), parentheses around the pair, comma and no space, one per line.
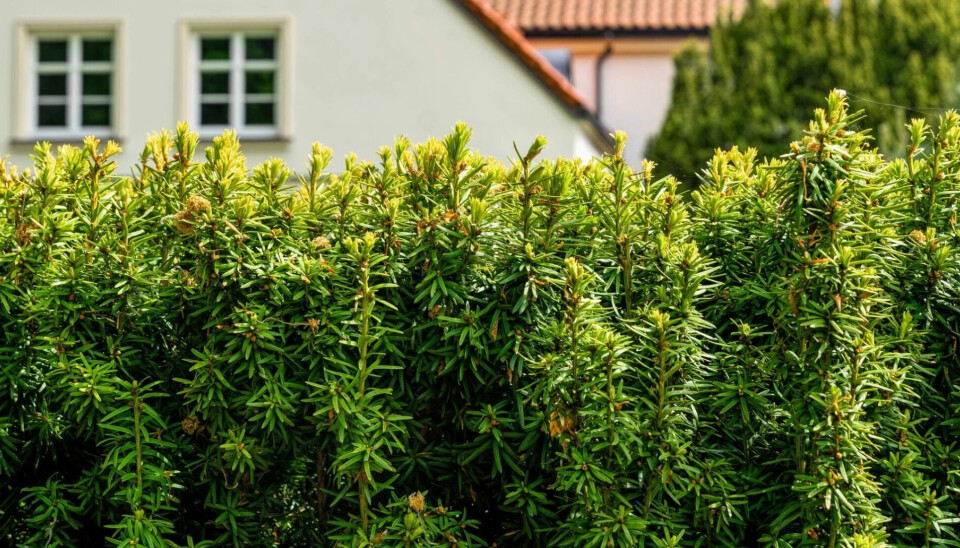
(583,75)
(363,72)
(635,96)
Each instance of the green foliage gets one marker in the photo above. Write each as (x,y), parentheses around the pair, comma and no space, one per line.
(762,74)
(440,350)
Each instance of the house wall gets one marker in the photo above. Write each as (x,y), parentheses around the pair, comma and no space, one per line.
(635,96)
(362,72)
(637,81)
(583,75)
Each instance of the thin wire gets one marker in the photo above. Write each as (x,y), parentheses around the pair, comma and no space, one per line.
(918,110)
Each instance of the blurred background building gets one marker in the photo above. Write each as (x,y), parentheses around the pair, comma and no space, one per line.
(351,74)
(618,53)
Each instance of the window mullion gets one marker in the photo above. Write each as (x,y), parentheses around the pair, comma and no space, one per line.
(74,90)
(195,81)
(236,80)
(33,86)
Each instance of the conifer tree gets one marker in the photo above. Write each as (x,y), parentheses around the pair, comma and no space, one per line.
(760,75)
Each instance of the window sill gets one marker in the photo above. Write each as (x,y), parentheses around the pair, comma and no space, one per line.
(76,140)
(268,139)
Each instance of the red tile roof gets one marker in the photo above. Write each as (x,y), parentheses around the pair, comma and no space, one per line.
(513,39)
(596,16)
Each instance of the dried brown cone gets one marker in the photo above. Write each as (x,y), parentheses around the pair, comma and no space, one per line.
(190,425)
(321,242)
(197,204)
(417,502)
(182,222)
(24,233)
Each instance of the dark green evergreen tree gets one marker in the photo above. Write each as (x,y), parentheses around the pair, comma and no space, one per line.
(762,74)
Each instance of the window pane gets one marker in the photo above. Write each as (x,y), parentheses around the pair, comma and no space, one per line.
(560,59)
(52,115)
(259,114)
(261,48)
(53,51)
(95,115)
(214,82)
(97,49)
(96,83)
(52,84)
(213,49)
(259,81)
(215,114)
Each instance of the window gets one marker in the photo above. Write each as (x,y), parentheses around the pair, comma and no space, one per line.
(236,83)
(71,88)
(560,59)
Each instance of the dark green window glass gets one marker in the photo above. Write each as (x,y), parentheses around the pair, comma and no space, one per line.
(261,48)
(214,82)
(52,115)
(259,81)
(259,114)
(96,84)
(215,114)
(53,51)
(97,49)
(95,115)
(52,84)
(214,49)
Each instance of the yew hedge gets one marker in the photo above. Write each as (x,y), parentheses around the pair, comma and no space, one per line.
(436,349)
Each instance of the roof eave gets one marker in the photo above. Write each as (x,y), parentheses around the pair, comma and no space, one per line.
(618,32)
(600,136)
(514,41)
(559,87)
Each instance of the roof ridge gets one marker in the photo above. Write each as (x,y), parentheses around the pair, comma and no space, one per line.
(545,17)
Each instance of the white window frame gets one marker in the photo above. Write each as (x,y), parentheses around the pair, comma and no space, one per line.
(237,29)
(27,68)
(188,103)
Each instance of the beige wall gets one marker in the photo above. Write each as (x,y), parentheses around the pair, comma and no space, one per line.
(363,71)
(637,82)
(583,75)
(635,97)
